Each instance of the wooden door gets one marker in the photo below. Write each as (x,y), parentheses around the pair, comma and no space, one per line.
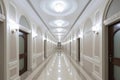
(114,51)
(78,46)
(45,43)
(22,52)
(70,48)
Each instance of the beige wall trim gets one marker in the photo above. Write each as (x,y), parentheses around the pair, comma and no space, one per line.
(105,40)
(24,29)
(112,19)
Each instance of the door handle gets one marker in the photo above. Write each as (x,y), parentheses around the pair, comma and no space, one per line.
(110,58)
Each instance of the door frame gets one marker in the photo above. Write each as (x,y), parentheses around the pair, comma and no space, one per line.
(70,48)
(111,50)
(78,49)
(45,49)
(105,26)
(26,53)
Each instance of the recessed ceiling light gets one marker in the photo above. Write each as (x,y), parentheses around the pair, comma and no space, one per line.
(59,30)
(59,6)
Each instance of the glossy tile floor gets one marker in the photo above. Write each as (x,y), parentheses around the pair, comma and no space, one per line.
(59,68)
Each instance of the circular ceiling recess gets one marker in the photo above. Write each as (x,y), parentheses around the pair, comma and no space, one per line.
(58,7)
(59,30)
(59,23)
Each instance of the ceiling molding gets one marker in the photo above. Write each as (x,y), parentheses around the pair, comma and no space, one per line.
(77,18)
(29,2)
(69,30)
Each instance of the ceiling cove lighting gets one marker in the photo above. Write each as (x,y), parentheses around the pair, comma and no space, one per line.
(59,23)
(60,29)
(59,6)
(59,34)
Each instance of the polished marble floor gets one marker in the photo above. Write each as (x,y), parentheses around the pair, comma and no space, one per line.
(59,68)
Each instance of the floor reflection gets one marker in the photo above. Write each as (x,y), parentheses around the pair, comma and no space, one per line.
(59,68)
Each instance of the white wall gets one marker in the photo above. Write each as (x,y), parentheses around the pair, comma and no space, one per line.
(35,43)
(92,57)
(92,50)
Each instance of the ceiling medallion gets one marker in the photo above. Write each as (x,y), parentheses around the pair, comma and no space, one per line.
(58,7)
(59,30)
(59,34)
(59,23)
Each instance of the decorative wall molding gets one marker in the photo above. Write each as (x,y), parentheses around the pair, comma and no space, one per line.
(13,63)
(112,19)
(2,17)
(13,70)
(92,60)
(24,29)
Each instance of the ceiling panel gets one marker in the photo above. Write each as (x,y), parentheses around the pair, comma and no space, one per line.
(58,16)
(55,16)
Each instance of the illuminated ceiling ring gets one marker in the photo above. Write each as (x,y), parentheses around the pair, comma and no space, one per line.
(58,7)
(59,23)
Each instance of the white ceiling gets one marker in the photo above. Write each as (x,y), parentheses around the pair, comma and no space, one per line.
(44,12)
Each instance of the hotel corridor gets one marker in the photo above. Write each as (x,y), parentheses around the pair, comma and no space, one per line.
(59,68)
(59,39)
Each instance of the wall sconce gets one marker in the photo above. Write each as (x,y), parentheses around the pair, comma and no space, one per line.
(13,26)
(34,34)
(14,30)
(80,35)
(44,38)
(95,29)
